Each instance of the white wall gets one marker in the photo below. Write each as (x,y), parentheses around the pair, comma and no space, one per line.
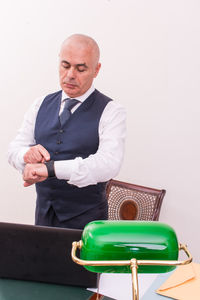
(150,62)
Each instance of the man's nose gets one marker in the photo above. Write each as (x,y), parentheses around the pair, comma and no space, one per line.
(71,73)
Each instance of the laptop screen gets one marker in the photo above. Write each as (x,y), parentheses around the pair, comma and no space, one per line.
(38,253)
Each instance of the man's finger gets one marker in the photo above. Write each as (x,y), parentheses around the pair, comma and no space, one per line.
(36,154)
(44,152)
(27,184)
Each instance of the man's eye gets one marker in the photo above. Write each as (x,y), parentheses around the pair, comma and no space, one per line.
(81,69)
(66,66)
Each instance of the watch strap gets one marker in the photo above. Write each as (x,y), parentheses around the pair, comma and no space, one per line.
(50,168)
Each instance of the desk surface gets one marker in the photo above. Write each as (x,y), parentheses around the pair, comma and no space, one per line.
(28,290)
(114,286)
(119,286)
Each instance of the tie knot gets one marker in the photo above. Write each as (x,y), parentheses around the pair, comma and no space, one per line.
(66,113)
(70,103)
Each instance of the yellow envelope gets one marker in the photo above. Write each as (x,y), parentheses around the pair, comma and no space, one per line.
(183,284)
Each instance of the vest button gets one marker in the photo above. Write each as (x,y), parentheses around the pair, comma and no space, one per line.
(61,130)
(59,142)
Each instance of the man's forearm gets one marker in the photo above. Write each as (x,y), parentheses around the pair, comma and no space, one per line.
(25,138)
(106,162)
(16,157)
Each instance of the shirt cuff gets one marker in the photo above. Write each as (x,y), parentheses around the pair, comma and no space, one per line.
(20,164)
(64,168)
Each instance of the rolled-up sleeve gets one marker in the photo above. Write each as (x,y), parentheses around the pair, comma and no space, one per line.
(24,138)
(106,162)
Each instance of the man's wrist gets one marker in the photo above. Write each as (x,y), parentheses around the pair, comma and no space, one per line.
(50,168)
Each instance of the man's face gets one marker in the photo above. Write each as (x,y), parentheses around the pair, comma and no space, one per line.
(77,69)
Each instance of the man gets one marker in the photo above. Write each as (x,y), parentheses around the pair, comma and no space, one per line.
(70,153)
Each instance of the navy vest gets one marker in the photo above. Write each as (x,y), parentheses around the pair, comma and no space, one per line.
(77,138)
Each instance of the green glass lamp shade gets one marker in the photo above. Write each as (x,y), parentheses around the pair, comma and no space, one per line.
(124,240)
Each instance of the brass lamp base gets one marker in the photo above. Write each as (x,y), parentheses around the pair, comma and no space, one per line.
(133,263)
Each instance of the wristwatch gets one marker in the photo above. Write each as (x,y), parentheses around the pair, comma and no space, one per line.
(50,168)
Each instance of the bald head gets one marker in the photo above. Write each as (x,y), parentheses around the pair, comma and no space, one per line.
(79,64)
(84,42)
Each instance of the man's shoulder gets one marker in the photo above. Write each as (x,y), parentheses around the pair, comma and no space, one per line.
(53,95)
(42,99)
(112,103)
(103,96)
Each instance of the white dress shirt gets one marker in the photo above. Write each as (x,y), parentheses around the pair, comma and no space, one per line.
(98,167)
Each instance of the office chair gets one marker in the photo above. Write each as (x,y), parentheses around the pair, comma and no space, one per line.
(127,201)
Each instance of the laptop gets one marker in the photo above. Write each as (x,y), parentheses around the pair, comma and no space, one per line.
(43,254)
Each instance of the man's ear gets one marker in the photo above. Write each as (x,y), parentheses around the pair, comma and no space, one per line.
(98,66)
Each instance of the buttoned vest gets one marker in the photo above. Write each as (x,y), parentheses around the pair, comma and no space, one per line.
(77,138)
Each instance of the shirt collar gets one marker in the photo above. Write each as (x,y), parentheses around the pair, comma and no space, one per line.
(80,98)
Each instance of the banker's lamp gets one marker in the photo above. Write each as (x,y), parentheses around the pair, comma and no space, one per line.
(129,247)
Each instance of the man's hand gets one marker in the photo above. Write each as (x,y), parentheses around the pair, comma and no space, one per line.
(36,154)
(34,173)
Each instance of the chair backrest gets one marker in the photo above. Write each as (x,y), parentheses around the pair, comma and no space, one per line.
(127,201)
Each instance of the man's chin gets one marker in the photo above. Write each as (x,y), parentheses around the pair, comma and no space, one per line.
(71,92)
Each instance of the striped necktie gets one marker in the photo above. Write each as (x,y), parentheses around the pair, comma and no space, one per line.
(66,113)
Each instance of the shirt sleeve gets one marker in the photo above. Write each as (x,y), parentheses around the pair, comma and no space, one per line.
(106,162)
(25,137)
